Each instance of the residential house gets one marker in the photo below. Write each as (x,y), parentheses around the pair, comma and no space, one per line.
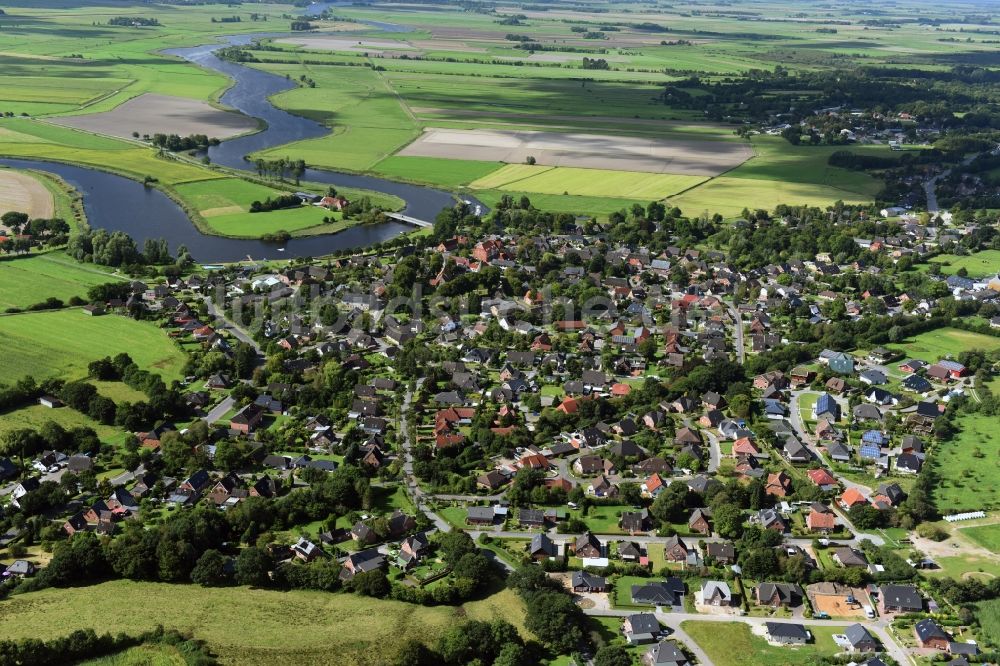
(930,635)
(583,581)
(587,545)
(716,593)
(787,633)
(778,594)
(641,628)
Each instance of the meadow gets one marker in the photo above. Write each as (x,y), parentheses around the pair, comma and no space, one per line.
(932,346)
(987,536)
(142,655)
(733,644)
(28,280)
(966,467)
(325,629)
(35,416)
(980,264)
(62,343)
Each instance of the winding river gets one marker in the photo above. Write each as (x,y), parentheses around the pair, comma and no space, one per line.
(116,203)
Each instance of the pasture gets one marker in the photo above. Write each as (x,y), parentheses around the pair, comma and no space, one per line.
(967,467)
(733,644)
(62,343)
(224,206)
(932,346)
(150,113)
(586,182)
(24,193)
(987,536)
(35,416)
(981,264)
(597,151)
(325,631)
(442,172)
(25,281)
(142,655)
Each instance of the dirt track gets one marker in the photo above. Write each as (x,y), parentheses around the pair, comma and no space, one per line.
(595,151)
(152,114)
(25,194)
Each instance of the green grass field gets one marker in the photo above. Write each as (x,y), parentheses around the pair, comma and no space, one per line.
(434,170)
(63,342)
(35,416)
(325,629)
(28,280)
(980,264)
(143,655)
(592,182)
(988,614)
(932,346)
(967,467)
(733,644)
(987,536)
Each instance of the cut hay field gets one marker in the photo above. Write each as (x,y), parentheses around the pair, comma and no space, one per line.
(325,629)
(24,193)
(151,114)
(980,264)
(587,150)
(62,343)
(586,182)
(733,644)
(967,468)
(932,346)
(28,280)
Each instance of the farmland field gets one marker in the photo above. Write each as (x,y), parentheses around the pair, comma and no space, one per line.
(932,346)
(326,631)
(592,182)
(966,467)
(988,614)
(62,343)
(150,114)
(446,173)
(595,151)
(733,644)
(24,193)
(25,281)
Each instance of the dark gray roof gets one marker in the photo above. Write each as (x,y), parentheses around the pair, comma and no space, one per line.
(644,623)
(787,630)
(901,596)
(857,634)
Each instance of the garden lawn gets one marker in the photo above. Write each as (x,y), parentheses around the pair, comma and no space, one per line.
(62,343)
(25,281)
(966,466)
(932,346)
(325,629)
(733,644)
(590,182)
